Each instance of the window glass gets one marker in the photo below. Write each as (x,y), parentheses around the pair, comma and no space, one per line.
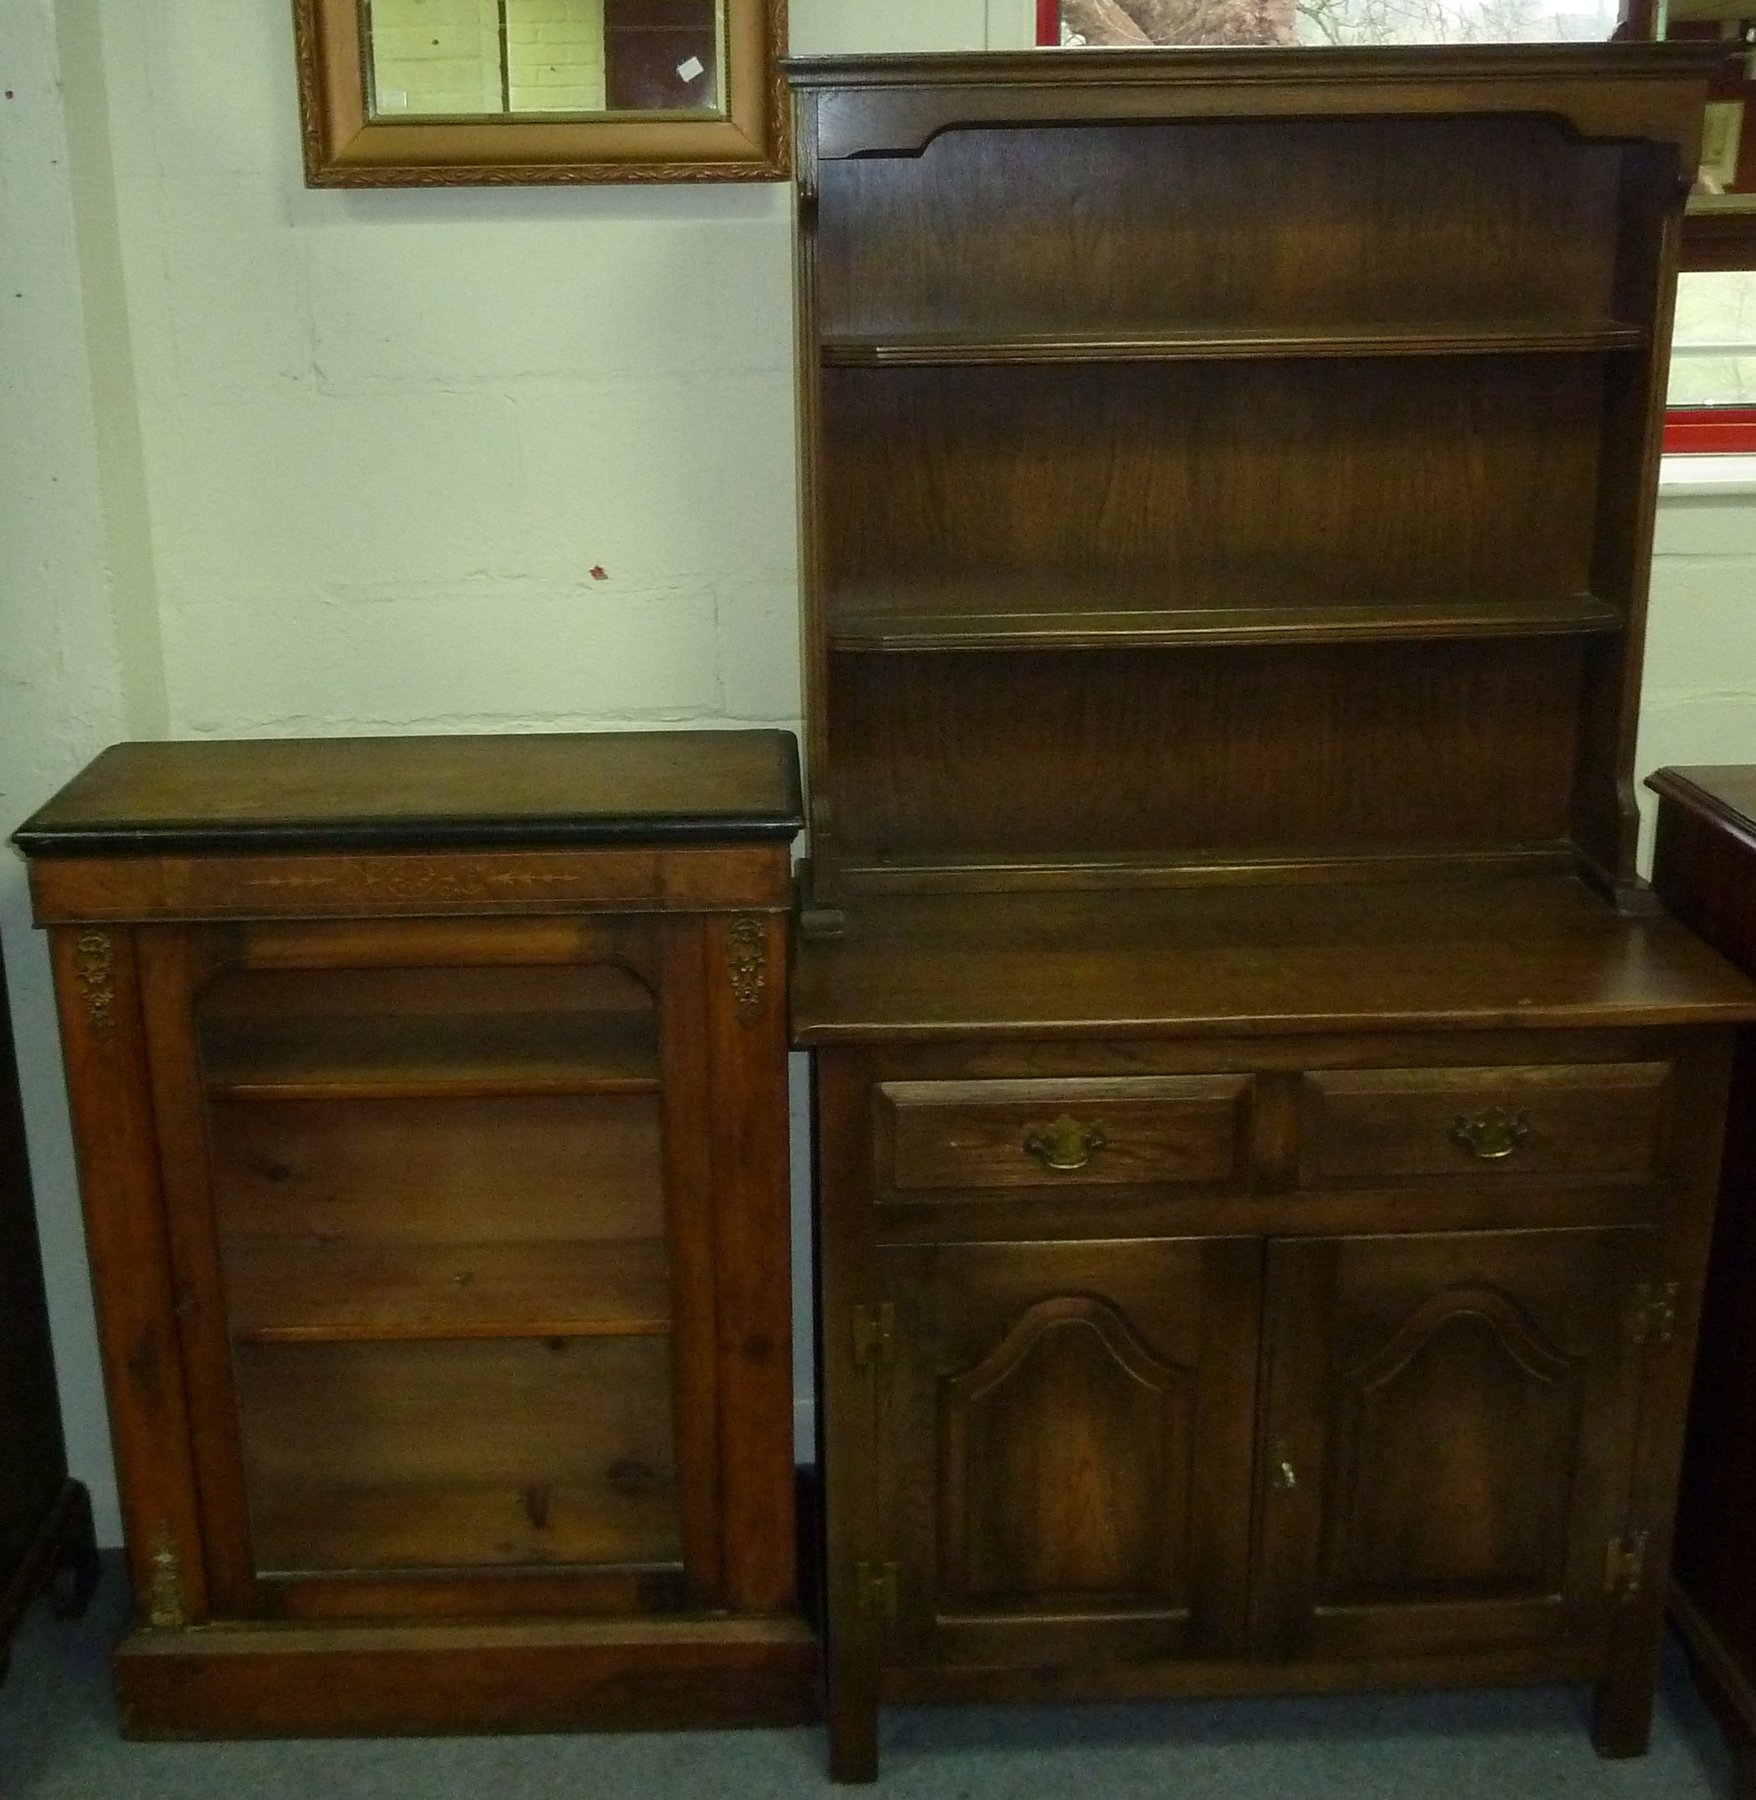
(1713,348)
(1336,21)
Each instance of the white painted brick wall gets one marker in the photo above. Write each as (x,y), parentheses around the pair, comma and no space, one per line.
(62,693)
(1698,699)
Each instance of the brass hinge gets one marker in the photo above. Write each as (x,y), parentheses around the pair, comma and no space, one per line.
(875,1589)
(1655,1312)
(1625,1566)
(874,1336)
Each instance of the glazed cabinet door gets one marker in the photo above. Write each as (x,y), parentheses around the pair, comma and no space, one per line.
(439,1197)
(1448,1439)
(1064,1437)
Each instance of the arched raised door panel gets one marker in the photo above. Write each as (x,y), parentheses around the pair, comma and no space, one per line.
(1453,1419)
(1469,1398)
(1065,1469)
(1062,1439)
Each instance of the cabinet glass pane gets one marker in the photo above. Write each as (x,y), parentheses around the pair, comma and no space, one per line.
(318,1033)
(407,1153)
(440,1209)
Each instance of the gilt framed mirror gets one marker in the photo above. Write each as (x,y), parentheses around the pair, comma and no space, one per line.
(440,93)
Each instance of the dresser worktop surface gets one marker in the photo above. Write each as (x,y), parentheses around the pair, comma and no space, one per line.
(1313,957)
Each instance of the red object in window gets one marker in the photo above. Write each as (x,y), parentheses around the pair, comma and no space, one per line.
(1710,430)
(1048,21)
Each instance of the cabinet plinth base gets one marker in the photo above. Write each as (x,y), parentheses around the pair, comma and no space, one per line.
(257,1681)
(1222,1680)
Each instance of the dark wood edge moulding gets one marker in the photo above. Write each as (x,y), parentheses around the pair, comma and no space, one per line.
(1675,784)
(195,837)
(418,793)
(895,106)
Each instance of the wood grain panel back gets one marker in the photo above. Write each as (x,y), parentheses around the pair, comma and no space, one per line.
(1200,751)
(1283,221)
(1217,485)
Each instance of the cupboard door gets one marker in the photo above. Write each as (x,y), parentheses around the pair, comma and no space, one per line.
(444,1302)
(1447,1439)
(1064,1440)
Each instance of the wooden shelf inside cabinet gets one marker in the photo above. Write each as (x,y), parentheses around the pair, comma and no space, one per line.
(1003,614)
(307,1289)
(432,1108)
(360,1058)
(434,1527)
(1221,343)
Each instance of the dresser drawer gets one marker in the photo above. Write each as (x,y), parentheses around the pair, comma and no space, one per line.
(958,1135)
(1596,1119)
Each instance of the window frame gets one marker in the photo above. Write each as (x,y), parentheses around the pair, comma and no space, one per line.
(1710,431)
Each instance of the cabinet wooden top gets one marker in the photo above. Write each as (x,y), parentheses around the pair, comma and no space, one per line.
(1534,952)
(538,791)
(1726,795)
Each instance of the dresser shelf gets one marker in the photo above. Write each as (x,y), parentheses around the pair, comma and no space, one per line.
(948,614)
(353,1058)
(310,1290)
(1222,343)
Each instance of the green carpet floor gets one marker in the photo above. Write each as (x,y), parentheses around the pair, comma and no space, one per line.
(58,1742)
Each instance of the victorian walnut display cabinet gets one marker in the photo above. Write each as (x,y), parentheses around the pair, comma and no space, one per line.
(1266,1131)
(430,1107)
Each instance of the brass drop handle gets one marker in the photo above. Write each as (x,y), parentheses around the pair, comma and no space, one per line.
(1065,1144)
(1286,1477)
(1491,1135)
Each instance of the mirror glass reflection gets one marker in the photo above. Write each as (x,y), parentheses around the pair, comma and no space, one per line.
(451,59)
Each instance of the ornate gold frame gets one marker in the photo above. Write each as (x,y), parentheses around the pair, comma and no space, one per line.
(345,148)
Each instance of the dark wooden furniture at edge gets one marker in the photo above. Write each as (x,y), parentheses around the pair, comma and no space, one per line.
(45,1517)
(430,1102)
(1267,1135)
(1705,867)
